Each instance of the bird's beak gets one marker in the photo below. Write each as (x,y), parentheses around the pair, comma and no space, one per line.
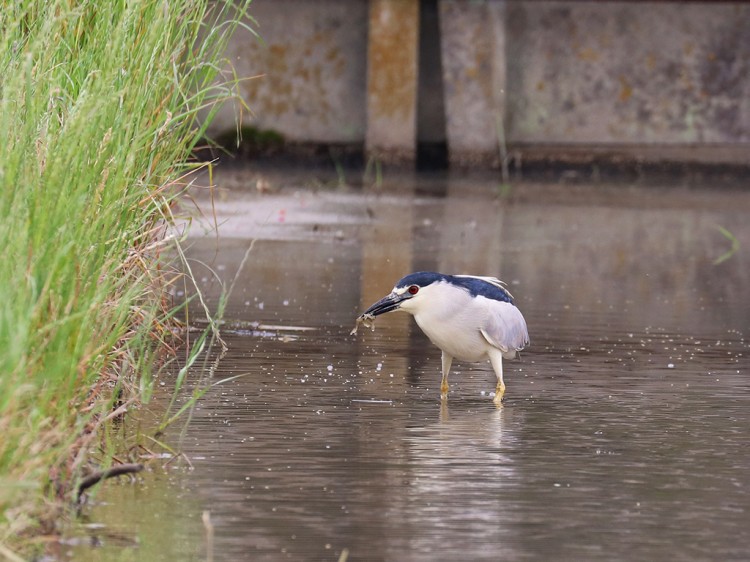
(386,304)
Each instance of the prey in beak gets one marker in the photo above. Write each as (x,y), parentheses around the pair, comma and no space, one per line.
(386,304)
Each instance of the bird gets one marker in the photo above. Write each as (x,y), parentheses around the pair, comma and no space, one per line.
(470,318)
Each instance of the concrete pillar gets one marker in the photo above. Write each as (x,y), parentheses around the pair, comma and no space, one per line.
(473,49)
(392,59)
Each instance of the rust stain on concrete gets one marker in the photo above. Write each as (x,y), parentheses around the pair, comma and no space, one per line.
(588,54)
(392,70)
(626,90)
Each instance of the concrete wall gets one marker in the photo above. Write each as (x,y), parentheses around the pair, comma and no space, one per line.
(628,72)
(569,73)
(474,69)
(310,70)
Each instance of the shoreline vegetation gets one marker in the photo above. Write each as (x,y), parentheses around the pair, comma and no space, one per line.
(99,106)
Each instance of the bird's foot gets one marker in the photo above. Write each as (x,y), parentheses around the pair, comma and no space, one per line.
(444,389)
(499,393)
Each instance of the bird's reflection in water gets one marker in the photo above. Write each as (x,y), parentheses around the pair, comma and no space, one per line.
(461,469)
(445,409)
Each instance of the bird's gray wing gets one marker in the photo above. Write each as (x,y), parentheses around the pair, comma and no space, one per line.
(505,328)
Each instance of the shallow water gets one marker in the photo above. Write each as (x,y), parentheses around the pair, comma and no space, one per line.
(625,427)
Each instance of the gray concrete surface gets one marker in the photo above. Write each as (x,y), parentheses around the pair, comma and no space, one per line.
(626,77)
(628,72)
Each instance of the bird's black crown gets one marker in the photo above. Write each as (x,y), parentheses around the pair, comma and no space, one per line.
(474,285)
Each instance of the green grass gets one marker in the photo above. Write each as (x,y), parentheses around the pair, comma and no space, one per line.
(98,116)
(735,245)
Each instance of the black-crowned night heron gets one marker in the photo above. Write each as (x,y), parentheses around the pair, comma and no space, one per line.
(469,318)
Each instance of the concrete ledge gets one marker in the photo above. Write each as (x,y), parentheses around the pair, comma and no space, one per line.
(721,164)
(725,164)
(578,153)
(718,154)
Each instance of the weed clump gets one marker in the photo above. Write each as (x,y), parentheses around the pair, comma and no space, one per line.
(98,116)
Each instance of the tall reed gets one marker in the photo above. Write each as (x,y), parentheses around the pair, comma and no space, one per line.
(98,117)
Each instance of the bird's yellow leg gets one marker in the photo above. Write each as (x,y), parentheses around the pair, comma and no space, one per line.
(444,388)
(496,358)
(447,360)
(499,392)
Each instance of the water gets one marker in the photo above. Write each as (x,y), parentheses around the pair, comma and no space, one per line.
(624,430)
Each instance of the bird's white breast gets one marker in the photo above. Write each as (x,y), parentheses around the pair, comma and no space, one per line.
(453,320)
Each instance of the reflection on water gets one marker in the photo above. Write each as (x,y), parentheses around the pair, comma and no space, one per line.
(624,433)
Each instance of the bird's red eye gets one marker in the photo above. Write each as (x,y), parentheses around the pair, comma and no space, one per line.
(413,290)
